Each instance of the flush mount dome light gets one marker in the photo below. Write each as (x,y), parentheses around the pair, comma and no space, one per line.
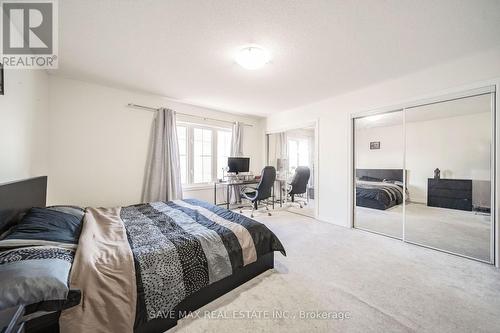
(252,57)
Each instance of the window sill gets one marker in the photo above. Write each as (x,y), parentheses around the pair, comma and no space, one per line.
(194,187)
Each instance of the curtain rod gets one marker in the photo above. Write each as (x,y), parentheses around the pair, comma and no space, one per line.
(132,105)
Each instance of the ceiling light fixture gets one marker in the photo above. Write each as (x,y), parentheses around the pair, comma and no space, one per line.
(252,57)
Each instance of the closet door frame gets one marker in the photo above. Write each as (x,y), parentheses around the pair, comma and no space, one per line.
(492,88)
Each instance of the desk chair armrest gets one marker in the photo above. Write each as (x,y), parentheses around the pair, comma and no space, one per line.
(245,188)
(287,187)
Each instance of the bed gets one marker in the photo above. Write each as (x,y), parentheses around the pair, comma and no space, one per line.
(379,188)
(137,268)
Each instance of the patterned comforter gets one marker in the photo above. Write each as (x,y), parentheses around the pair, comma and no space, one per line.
(178,248)
(378,195)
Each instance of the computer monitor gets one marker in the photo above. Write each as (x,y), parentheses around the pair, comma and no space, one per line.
(238,164)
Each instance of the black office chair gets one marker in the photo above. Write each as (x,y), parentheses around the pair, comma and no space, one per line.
(298,186)
(262,192)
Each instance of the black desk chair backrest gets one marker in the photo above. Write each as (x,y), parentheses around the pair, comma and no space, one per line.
(300,180)
(267,179)
(263,190)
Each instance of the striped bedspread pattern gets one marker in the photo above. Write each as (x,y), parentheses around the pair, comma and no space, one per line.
(182,246)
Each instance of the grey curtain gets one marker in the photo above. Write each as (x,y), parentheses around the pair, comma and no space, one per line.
(282,154)
(236,150)
(236,140)
(163,176)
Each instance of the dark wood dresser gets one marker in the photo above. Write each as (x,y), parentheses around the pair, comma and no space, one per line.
(450,193)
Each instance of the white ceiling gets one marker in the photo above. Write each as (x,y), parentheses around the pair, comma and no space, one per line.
(183,49)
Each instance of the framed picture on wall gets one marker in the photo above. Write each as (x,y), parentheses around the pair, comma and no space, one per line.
(2,84)
(375,145)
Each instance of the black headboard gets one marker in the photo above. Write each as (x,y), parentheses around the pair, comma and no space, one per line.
(391,174)
(19,196)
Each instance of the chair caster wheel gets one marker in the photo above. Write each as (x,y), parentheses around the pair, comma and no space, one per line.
(301,206)
(251,215)
(241,212)
(269,214)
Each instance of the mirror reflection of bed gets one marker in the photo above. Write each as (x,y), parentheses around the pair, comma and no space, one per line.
(379,199)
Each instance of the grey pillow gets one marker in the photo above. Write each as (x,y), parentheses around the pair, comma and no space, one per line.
(73,210)
(56,226)
(370,179)
(32,275)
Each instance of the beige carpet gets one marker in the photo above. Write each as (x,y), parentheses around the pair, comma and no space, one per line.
(457,231)
(307,210)
(384,284)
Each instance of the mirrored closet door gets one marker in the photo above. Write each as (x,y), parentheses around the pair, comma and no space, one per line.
(424,174)
(378,160)
(448,161)
(292,153)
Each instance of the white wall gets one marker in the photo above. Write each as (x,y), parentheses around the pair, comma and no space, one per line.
(458,146)
(23,125)
(334,120)
(98,146)
(389,156)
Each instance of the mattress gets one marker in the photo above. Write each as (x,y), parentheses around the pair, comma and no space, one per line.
(134,264)
(378,195)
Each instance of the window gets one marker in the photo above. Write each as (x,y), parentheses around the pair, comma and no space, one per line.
(304,153)
(293,160)
(182,138)
(203,152)
(202,146)
(298,153)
